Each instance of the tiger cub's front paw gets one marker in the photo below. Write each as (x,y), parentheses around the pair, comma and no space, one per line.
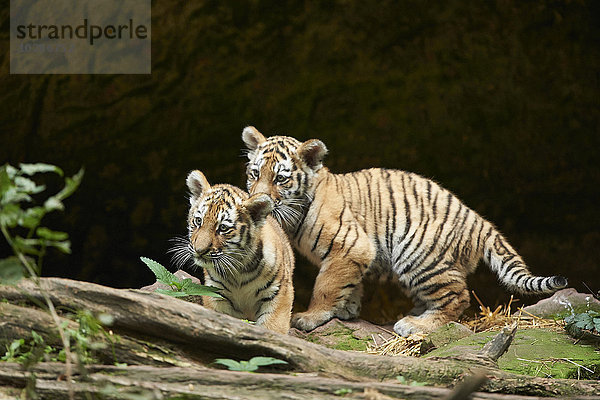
(309,320)
(406,327)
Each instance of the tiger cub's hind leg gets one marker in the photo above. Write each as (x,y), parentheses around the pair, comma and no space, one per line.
(442,301)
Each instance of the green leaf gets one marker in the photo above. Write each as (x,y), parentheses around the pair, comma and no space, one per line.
(263,361)
(32,169)
(31,217)
(63,246)
(14,196)
(11,270)
(172,293)
(195,289)
(49,234)
(71,184)
(11,171)
(5,181)
(161,273)
(231,364)
(53,203)
(28,186)
(27,246)
(10,215)
(186,283)
(36,337)
(247,367)
(13,349)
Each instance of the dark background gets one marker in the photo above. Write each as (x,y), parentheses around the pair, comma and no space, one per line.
(496,100)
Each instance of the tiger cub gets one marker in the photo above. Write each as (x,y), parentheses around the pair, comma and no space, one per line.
(378,221)
(243,251)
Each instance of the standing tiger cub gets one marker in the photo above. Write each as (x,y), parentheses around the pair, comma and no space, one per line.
(243,251)
(377,221)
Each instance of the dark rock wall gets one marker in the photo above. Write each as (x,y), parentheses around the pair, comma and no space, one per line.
(496,100)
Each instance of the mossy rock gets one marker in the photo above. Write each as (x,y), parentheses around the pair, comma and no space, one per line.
(337,335)
(535,352)
(451,332)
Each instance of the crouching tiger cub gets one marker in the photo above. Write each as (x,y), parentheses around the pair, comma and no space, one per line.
(378,221)
(243,252)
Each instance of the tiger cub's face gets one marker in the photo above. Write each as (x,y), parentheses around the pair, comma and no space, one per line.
(223,224)
(283,168)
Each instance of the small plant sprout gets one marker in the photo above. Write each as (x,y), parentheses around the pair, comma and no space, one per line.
(248,366)
(178,287)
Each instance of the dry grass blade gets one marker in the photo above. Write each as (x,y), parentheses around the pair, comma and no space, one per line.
(398,345)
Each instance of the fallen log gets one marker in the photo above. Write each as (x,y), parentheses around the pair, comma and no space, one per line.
(18,322)
(206,383)
(201,335)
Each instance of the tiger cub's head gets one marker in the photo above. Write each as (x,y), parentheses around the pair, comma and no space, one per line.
(224,224)
(285,169)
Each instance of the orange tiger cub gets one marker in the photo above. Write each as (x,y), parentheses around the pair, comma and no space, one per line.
(376,222)
(243,251)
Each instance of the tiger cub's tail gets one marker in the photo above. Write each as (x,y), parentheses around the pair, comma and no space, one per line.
(511,269)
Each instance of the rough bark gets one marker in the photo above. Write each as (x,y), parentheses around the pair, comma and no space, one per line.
(18,322)
(195,335)
(206,383)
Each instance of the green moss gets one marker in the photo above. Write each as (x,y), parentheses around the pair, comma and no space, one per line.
(338,337)
(536,352)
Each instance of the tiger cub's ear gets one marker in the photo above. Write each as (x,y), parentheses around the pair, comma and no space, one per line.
(252,137)
(312,152)
(197,184)
(258,206)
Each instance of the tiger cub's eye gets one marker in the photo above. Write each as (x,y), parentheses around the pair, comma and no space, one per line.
(224,229)
(198,221)
(281,179)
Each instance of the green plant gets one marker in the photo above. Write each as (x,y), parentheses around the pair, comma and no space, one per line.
(179,287)
(29,352)
(408,382)
(342,392)
(589,320)
(249,366)
(21,224)
(87,337)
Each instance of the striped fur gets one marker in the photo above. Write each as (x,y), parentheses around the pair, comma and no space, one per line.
(377,221)
(243,252)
